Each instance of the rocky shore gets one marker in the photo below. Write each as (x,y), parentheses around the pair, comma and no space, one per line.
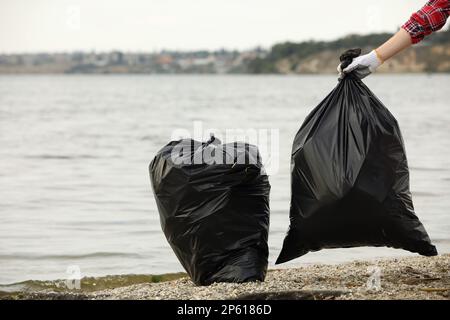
(400,278)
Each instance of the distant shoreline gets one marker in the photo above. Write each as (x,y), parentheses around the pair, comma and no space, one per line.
(307,57)
(400,278)
(215,74)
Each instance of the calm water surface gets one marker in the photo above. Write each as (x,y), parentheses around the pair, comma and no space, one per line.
(74,155)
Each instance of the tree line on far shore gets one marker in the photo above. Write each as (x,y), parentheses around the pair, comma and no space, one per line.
(301,50)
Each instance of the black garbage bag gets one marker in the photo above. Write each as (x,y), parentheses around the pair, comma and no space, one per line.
(213,202)
(350,177)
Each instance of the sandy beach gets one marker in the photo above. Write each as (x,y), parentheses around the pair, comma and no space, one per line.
(400,278)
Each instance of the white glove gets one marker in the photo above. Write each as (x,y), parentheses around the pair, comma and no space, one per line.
(362,66)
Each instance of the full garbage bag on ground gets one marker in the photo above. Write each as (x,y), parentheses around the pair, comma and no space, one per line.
(350,177)
(213,202)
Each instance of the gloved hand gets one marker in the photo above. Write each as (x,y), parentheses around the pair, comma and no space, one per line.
(362,66)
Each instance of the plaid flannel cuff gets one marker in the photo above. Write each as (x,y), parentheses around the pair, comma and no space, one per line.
(415,31)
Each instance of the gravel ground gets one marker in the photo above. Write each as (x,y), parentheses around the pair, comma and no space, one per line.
(400,278)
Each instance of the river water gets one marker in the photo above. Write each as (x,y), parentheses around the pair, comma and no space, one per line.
(74,155)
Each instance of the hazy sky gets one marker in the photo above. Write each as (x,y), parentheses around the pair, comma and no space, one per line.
(147,25)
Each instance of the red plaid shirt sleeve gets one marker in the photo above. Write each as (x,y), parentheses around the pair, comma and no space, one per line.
(430,18)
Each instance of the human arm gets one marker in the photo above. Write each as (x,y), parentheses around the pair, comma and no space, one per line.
(429,18)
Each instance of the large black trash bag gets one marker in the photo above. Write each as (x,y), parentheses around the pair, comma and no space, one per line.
(350,178)
(215,216)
